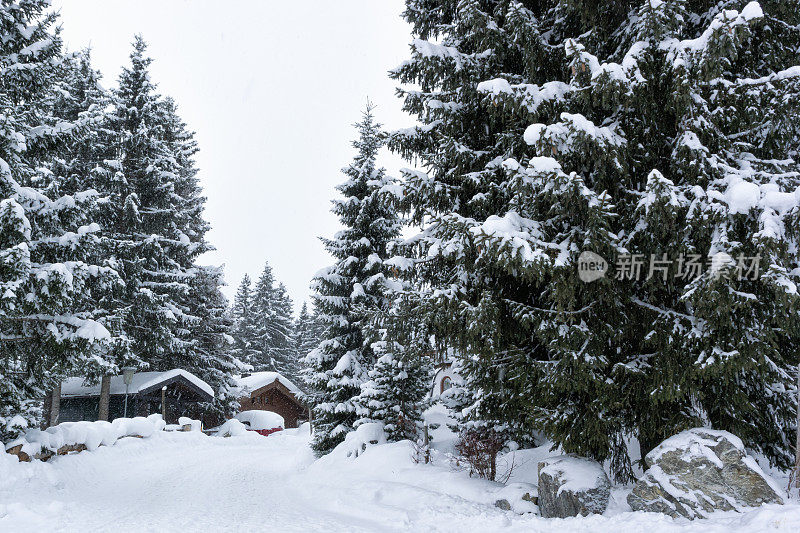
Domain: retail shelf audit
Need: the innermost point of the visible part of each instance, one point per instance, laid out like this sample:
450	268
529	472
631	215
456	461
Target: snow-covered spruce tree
156	214
307	332
657	128
78	164
399	381
283	347
349	292
243	330
49	285
462	142
209	354
273	327
140	210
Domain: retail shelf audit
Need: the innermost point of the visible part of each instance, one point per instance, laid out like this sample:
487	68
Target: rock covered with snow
699	471
572	486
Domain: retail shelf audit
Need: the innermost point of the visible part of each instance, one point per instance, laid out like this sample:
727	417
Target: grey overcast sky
271	89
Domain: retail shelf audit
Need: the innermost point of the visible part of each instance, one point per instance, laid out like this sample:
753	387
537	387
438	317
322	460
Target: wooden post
105	396
55	404
164	403
427	443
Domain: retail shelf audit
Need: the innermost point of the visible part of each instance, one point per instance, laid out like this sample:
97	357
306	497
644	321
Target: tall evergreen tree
49	279
283	347
141	183
462	143
78	165
156	216
243	331
307	332
349	292
400	380
651	129
209	355
273	342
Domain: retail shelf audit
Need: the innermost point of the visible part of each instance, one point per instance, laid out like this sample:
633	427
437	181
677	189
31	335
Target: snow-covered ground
192	482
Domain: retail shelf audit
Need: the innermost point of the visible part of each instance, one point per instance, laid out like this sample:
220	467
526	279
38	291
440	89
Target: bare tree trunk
105	395
55	405
426	443
46	408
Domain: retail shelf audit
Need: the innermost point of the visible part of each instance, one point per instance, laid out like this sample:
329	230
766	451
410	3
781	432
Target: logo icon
591	267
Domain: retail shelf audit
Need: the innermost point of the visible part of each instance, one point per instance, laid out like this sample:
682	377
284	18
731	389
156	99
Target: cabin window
446	383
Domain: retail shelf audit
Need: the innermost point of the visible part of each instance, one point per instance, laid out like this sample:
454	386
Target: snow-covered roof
252	382
142	381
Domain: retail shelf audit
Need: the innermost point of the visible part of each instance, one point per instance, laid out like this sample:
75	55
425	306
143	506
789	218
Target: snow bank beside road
86	435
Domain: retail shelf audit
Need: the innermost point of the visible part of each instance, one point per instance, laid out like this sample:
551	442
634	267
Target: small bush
479	449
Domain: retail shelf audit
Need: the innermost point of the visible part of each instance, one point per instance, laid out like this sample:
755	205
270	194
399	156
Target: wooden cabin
175	393
271	391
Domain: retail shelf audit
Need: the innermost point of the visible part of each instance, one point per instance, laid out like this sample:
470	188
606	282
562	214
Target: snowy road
189	482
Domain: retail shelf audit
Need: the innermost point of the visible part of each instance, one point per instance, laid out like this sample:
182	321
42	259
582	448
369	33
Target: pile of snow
531	95
258	419
231	428
89	434
10	472
194	425
356	442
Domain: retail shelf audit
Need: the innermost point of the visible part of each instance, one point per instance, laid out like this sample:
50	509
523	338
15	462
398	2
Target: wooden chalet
174	393
271	391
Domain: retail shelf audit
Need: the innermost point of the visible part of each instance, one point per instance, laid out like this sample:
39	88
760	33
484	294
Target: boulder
572	486
700	471
518	497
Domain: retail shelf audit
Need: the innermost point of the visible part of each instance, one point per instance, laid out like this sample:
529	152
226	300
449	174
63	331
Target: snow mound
356	442
195	425
231	428
257	419
518	497
75	436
